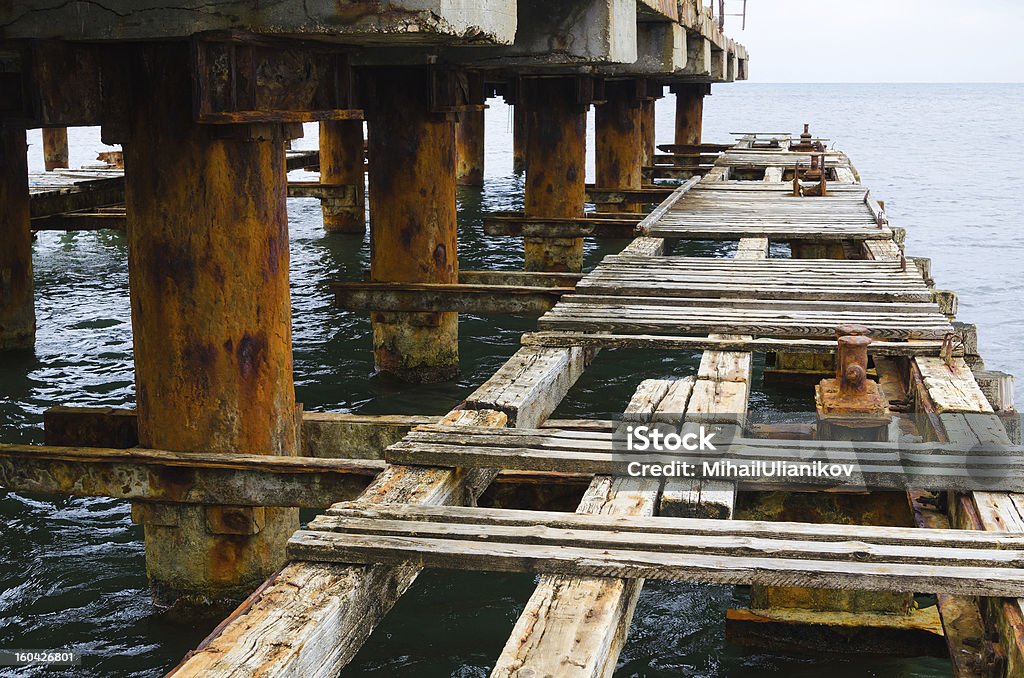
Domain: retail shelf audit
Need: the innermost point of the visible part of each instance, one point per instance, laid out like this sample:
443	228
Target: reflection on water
72	570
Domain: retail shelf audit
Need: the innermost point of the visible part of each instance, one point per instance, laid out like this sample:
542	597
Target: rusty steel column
648	124
556	123
413	234
211	321
469	143
518	138
17	308
619	142
689	112
341	164
55	147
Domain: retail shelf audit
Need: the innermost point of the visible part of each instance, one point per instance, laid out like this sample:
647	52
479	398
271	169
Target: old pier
217	456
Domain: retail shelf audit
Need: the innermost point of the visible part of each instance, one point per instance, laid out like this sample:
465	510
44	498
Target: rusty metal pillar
648	126
689	112
413	235
619	142
211	321
469	136
556	123
518	138
341	164
17	310
55	147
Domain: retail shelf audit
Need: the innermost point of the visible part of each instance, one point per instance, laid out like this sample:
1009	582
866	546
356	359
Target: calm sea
943	157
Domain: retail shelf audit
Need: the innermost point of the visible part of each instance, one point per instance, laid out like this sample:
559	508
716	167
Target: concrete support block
698	55
592	30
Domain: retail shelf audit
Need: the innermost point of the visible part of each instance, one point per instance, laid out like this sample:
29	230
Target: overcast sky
882	40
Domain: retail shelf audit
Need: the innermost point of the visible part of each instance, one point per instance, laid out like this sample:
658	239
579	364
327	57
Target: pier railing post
211	320
689	111
17	309
341	164
55	147
619	142
413	233
556	123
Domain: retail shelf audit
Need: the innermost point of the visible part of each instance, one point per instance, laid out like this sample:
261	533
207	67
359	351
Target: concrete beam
698	55
569	31
660	47
390	22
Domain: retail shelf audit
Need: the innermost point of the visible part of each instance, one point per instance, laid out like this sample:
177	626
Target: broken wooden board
632	547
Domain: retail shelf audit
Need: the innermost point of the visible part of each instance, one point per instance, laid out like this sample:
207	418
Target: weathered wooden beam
529	386
619	548
431	298
722	392
577	626
86	195
553	339
163	476
92	220
694	148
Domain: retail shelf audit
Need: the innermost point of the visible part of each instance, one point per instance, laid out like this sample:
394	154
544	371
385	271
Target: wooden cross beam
969	562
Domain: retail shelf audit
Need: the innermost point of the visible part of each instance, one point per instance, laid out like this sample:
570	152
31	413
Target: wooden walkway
315	614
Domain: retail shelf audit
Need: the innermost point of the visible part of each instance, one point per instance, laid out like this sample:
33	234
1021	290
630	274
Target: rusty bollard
851	406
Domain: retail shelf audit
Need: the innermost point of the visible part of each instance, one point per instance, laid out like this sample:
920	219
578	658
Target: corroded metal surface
689	112
618	124
469	138
211	319
341	164
556	123
413	233
17	310
55	147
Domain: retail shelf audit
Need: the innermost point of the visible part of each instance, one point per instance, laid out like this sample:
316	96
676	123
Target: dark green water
72	570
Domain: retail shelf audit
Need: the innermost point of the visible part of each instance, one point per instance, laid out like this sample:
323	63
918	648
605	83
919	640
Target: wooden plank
545	551
577	626
529	386
950	392
724	389
684	343
431	297
674	527
81	221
